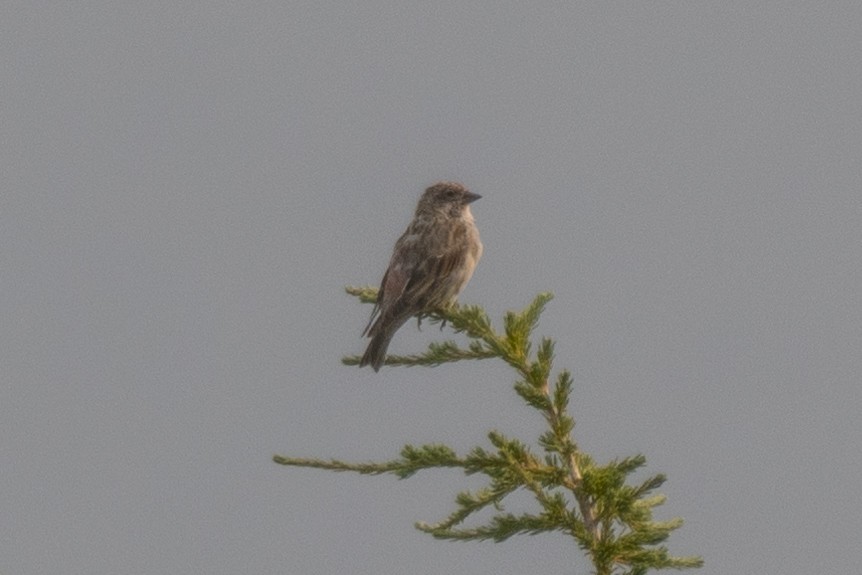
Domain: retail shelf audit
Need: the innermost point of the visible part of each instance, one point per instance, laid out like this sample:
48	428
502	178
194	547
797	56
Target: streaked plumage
432	262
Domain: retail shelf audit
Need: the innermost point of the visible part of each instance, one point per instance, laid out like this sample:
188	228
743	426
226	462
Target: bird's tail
375	354
381	334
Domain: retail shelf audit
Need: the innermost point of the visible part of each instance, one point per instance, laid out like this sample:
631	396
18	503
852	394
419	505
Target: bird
431	263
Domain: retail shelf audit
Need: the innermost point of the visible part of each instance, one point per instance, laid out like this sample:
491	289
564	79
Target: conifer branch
611	520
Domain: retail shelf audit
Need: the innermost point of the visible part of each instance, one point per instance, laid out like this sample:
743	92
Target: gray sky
188	187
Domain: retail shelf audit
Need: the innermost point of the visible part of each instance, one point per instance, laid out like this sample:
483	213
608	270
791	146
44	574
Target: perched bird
432	262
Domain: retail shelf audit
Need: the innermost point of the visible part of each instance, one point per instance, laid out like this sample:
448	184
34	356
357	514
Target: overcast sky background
187	187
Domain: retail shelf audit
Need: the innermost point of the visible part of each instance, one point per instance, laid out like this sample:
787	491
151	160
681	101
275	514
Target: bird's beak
471	197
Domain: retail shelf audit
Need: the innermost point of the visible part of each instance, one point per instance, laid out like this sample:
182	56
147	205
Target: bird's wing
392	287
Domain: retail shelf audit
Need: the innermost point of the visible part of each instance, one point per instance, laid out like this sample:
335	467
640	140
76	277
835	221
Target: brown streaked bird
432	262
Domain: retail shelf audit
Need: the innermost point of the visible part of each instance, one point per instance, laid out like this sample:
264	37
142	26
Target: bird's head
450	198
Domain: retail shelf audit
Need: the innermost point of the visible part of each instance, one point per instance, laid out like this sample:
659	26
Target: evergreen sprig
609	519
